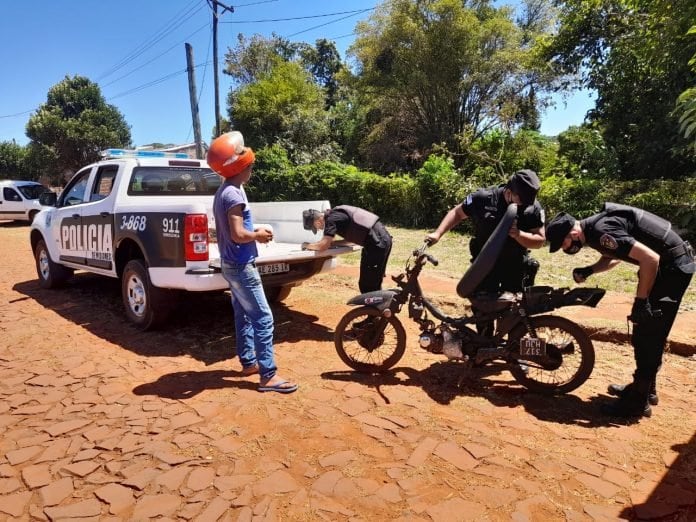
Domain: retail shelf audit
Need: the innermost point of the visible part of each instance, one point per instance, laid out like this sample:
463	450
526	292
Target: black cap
308	217
525	183
557	230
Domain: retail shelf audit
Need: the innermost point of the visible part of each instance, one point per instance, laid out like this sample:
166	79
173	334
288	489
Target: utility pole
215	4
194	102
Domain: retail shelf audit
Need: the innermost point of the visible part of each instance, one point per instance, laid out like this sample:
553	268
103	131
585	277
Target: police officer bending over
486	207
666	265
357	226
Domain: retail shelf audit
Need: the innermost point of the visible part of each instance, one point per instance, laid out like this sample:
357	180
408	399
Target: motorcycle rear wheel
365	349
570	351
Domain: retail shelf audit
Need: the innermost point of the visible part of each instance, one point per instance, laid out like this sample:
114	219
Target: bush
421	201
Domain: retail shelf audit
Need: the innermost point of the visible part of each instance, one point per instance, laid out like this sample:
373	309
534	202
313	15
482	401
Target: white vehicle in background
146	218
19	200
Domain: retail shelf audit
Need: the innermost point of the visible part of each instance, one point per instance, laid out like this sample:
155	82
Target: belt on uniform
684	249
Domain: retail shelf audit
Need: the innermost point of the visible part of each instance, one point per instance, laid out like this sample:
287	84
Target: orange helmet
228	156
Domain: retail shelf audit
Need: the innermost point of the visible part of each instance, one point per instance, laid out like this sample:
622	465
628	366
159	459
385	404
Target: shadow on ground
674	497
202	325
445	381
184	385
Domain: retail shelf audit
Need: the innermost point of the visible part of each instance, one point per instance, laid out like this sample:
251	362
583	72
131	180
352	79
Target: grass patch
452	251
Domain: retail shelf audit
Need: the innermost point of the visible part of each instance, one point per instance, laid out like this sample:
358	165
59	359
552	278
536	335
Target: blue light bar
127	153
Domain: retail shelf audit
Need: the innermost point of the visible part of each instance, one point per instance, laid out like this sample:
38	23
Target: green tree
252	58
440	70
324	63
72	127
284	106
635	54
13	161
586	152
686	104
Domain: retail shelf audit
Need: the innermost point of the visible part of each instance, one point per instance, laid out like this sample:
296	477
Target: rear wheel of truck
276	294
51	275
147	306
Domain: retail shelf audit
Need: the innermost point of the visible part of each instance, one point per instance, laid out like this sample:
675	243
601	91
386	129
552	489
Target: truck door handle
104	214
75	216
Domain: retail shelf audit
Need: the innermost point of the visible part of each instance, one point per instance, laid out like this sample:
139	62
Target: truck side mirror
48	199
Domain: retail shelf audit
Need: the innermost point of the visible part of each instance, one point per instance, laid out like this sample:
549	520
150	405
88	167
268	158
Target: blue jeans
253	319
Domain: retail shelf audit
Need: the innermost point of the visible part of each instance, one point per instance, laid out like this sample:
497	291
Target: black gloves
582	273
641	311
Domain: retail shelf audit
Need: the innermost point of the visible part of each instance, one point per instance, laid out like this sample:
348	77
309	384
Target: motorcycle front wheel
368	342
569	358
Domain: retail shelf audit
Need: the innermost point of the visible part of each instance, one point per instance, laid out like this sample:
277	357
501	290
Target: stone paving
101	422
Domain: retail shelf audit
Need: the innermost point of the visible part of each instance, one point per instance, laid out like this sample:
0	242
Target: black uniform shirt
609	235
614	232
337	222
486	207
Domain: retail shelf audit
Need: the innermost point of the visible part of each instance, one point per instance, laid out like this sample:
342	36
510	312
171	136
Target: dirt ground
101	422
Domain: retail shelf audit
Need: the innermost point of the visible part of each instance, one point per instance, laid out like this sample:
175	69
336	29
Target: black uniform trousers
649	337
374	257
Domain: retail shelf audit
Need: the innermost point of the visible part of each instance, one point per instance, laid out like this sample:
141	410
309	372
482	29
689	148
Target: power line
154	82
158	56
176	21
357	11
16	114
329	23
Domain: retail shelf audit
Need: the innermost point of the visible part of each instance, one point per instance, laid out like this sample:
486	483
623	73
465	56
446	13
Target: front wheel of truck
147	306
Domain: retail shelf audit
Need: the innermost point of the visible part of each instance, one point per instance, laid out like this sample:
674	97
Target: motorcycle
545	353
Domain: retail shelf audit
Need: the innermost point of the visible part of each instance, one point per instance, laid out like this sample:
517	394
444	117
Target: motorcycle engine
431	341
452	344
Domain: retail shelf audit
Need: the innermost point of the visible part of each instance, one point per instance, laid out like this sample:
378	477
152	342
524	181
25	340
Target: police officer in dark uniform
666	266
514	268
358	226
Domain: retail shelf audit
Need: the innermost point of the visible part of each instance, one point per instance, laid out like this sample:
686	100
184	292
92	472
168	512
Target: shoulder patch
542	215
608	241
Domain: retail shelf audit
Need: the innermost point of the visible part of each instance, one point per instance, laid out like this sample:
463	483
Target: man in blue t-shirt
237	239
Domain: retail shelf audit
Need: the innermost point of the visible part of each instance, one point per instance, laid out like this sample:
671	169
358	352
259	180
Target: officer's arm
241	235
648	261
604	263
533	239
323	244
451	220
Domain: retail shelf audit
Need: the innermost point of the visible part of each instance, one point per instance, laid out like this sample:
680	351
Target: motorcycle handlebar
421	252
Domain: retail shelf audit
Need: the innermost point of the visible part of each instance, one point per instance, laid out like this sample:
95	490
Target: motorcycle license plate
532	347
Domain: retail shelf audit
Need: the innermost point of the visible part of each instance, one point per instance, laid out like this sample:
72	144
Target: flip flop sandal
280	387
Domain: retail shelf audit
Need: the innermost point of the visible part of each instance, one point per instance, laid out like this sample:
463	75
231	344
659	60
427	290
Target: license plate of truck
274	268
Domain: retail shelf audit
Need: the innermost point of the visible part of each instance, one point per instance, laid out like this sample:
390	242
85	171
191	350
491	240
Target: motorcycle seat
488	302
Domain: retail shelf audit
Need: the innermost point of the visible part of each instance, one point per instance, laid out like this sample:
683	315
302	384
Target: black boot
618	390
633	401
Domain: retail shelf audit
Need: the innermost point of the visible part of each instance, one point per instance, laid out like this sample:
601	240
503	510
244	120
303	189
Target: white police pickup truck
146	218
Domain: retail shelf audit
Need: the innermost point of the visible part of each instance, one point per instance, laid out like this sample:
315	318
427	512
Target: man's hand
581	274
432	238
514	232
263	235
641	311
304	245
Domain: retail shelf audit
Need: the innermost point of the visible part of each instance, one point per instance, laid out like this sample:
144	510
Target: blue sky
134	50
